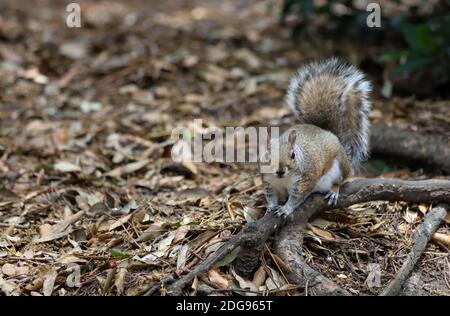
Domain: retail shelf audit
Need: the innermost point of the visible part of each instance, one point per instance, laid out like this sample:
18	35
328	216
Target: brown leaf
423	208
49	281
260	276
216	279
442	238
9	288
63	228
323	234
152	232
13	270
281	263
120	280
129	168
180	233
120	222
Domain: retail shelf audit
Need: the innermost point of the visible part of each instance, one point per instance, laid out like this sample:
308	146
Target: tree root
288	246
357	191
427	149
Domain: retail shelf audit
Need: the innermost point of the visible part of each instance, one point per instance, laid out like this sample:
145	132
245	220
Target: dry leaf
217	280
182	257
245	284
129	168
442	238
152	232
8	287
63	228
423	208
164	244
275	280
49	281
65	166
410	216
373	279
120	280
180	233
13	270
120	222
280	263
260	276
323	234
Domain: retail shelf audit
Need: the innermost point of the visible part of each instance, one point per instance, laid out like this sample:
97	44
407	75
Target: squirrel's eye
292	155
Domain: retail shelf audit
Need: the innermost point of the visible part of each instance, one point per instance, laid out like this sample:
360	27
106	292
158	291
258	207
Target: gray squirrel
330	101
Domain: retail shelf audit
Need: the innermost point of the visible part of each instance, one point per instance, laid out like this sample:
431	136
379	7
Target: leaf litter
91	202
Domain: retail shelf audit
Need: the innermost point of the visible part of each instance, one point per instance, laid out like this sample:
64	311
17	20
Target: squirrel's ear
292	137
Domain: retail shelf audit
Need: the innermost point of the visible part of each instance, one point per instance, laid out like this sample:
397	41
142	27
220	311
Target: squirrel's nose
280	173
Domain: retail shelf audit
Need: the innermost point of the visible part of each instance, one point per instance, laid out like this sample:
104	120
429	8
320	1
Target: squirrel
330	100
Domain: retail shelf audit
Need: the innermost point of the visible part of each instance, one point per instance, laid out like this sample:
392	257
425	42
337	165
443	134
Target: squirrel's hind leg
325	185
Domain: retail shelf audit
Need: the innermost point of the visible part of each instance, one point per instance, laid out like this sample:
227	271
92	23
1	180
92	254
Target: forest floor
86	178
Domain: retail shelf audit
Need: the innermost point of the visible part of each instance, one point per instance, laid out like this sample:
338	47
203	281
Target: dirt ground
87	183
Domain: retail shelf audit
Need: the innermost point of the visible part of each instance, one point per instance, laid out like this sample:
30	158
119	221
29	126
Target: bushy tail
334	96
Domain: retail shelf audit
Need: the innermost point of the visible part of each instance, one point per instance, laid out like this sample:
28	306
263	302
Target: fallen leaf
164	244
442	238
152	232
216	279
373	279
260	276
9	288
49	281
228	258
13	270
65	166
245	284
325	235
423	208
129	168
275	280
120	280
180	233
120	222
63	228
410	216
182	257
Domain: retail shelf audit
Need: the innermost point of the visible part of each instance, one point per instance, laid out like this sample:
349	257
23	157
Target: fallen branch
357	191
421	238
432	150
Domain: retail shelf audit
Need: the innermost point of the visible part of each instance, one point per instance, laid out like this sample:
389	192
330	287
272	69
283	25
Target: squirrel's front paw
332	197
272	209
283	212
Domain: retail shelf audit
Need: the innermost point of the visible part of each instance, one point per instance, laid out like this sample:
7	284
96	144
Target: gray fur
354	141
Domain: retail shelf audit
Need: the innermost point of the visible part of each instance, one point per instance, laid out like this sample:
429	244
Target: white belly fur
280	185
332	176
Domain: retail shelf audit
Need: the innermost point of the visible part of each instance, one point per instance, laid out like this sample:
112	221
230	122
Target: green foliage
423	41
119	255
